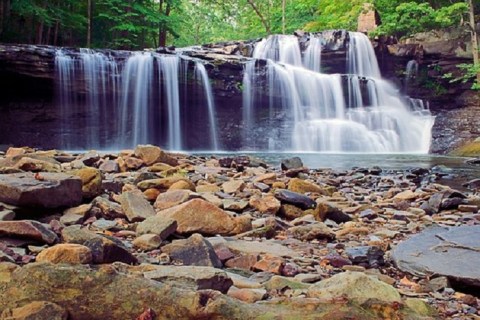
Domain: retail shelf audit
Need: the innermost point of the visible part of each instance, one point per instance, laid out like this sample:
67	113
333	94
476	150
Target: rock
6	258
194	251
104	225
449	252
7	215
77	234
44	190
473	184
37	310
91	182
290	212
270	263
200	216
136	207
172	198
38	164
162	184
267	204
245	262
281	283
294	198
158	225
66	253
234	205
75	215
311	232
247	295
328	210
356	287
109	166
204	188
192	277
254	247
406	195
367	256
233	186
27	229
108	250
183	185
303	186
291	163
147	242
130	163
102	207
153	154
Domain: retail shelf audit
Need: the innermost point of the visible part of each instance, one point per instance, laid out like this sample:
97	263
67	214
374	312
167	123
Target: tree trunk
260	15
473	31
55	33
89	23
162	36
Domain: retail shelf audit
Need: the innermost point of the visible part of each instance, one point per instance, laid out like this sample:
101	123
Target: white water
365	114
202	74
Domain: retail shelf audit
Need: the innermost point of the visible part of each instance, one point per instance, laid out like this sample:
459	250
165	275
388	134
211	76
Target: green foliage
412	17
469	73
339	14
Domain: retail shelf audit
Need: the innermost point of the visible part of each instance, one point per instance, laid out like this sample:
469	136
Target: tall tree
473	32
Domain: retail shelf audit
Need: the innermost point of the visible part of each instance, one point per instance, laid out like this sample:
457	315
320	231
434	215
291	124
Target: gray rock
451	252
102	207
136	207
77	234
158	225
297	199
291	163
311	232
367	256
194	277
254	247
194	251
45	190
7	215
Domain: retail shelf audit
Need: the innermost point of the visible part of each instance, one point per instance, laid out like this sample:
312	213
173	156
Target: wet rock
66	253
27	229
291	163
203	217
158	225
108	250
194	251
147	242
294	198
36	310
367	256
43	190
356	287
91	182
192	277
136	207
449	252
311	232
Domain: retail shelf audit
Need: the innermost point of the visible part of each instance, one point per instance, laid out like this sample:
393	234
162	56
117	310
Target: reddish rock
66	253
27	229
270	263
243	262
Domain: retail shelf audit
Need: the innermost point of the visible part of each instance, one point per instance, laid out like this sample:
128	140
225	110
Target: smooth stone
247	295
302	186
147	242
66	253
270	263
136	207
152	154
193	277
312	231
159	225
43	190
234	205
450	252
103	225
291	163
280	283
233	186
200	216
266	205
296	199
356	287
91	182
194	251
109	166
27	229
242	282
6	258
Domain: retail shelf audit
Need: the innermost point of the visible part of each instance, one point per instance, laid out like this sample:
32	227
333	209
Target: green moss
471	149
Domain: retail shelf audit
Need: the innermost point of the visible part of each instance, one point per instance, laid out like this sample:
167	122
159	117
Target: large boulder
200	216
44	190
153	154
451	252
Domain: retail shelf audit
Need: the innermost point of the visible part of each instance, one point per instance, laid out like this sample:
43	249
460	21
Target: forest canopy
136	24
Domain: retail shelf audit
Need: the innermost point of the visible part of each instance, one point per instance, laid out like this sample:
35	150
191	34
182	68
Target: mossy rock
471	149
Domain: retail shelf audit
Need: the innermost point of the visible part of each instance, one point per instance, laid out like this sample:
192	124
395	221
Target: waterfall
355	112
202	74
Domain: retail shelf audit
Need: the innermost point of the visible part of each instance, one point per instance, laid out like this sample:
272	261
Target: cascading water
203	76
355	112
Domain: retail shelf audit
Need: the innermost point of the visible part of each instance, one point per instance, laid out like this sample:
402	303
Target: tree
473	32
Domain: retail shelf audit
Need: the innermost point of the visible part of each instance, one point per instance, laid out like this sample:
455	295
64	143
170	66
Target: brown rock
91	182
132	163
38	164
109	166
147	242
233	186
162	184
270	263
183	185
245	262
303	186
27	229
37	310
158	225
290	212
311	232
151	194
108	250
153	154
247	295
207	188
268	204
172	198
200	216
44	190
66	253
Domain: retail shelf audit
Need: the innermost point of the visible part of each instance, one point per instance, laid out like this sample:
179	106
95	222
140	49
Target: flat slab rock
44	189
451	252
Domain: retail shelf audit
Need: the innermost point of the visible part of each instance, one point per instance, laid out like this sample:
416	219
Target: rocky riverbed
147	234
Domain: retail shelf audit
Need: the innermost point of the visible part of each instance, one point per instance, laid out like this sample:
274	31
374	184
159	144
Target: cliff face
30	114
